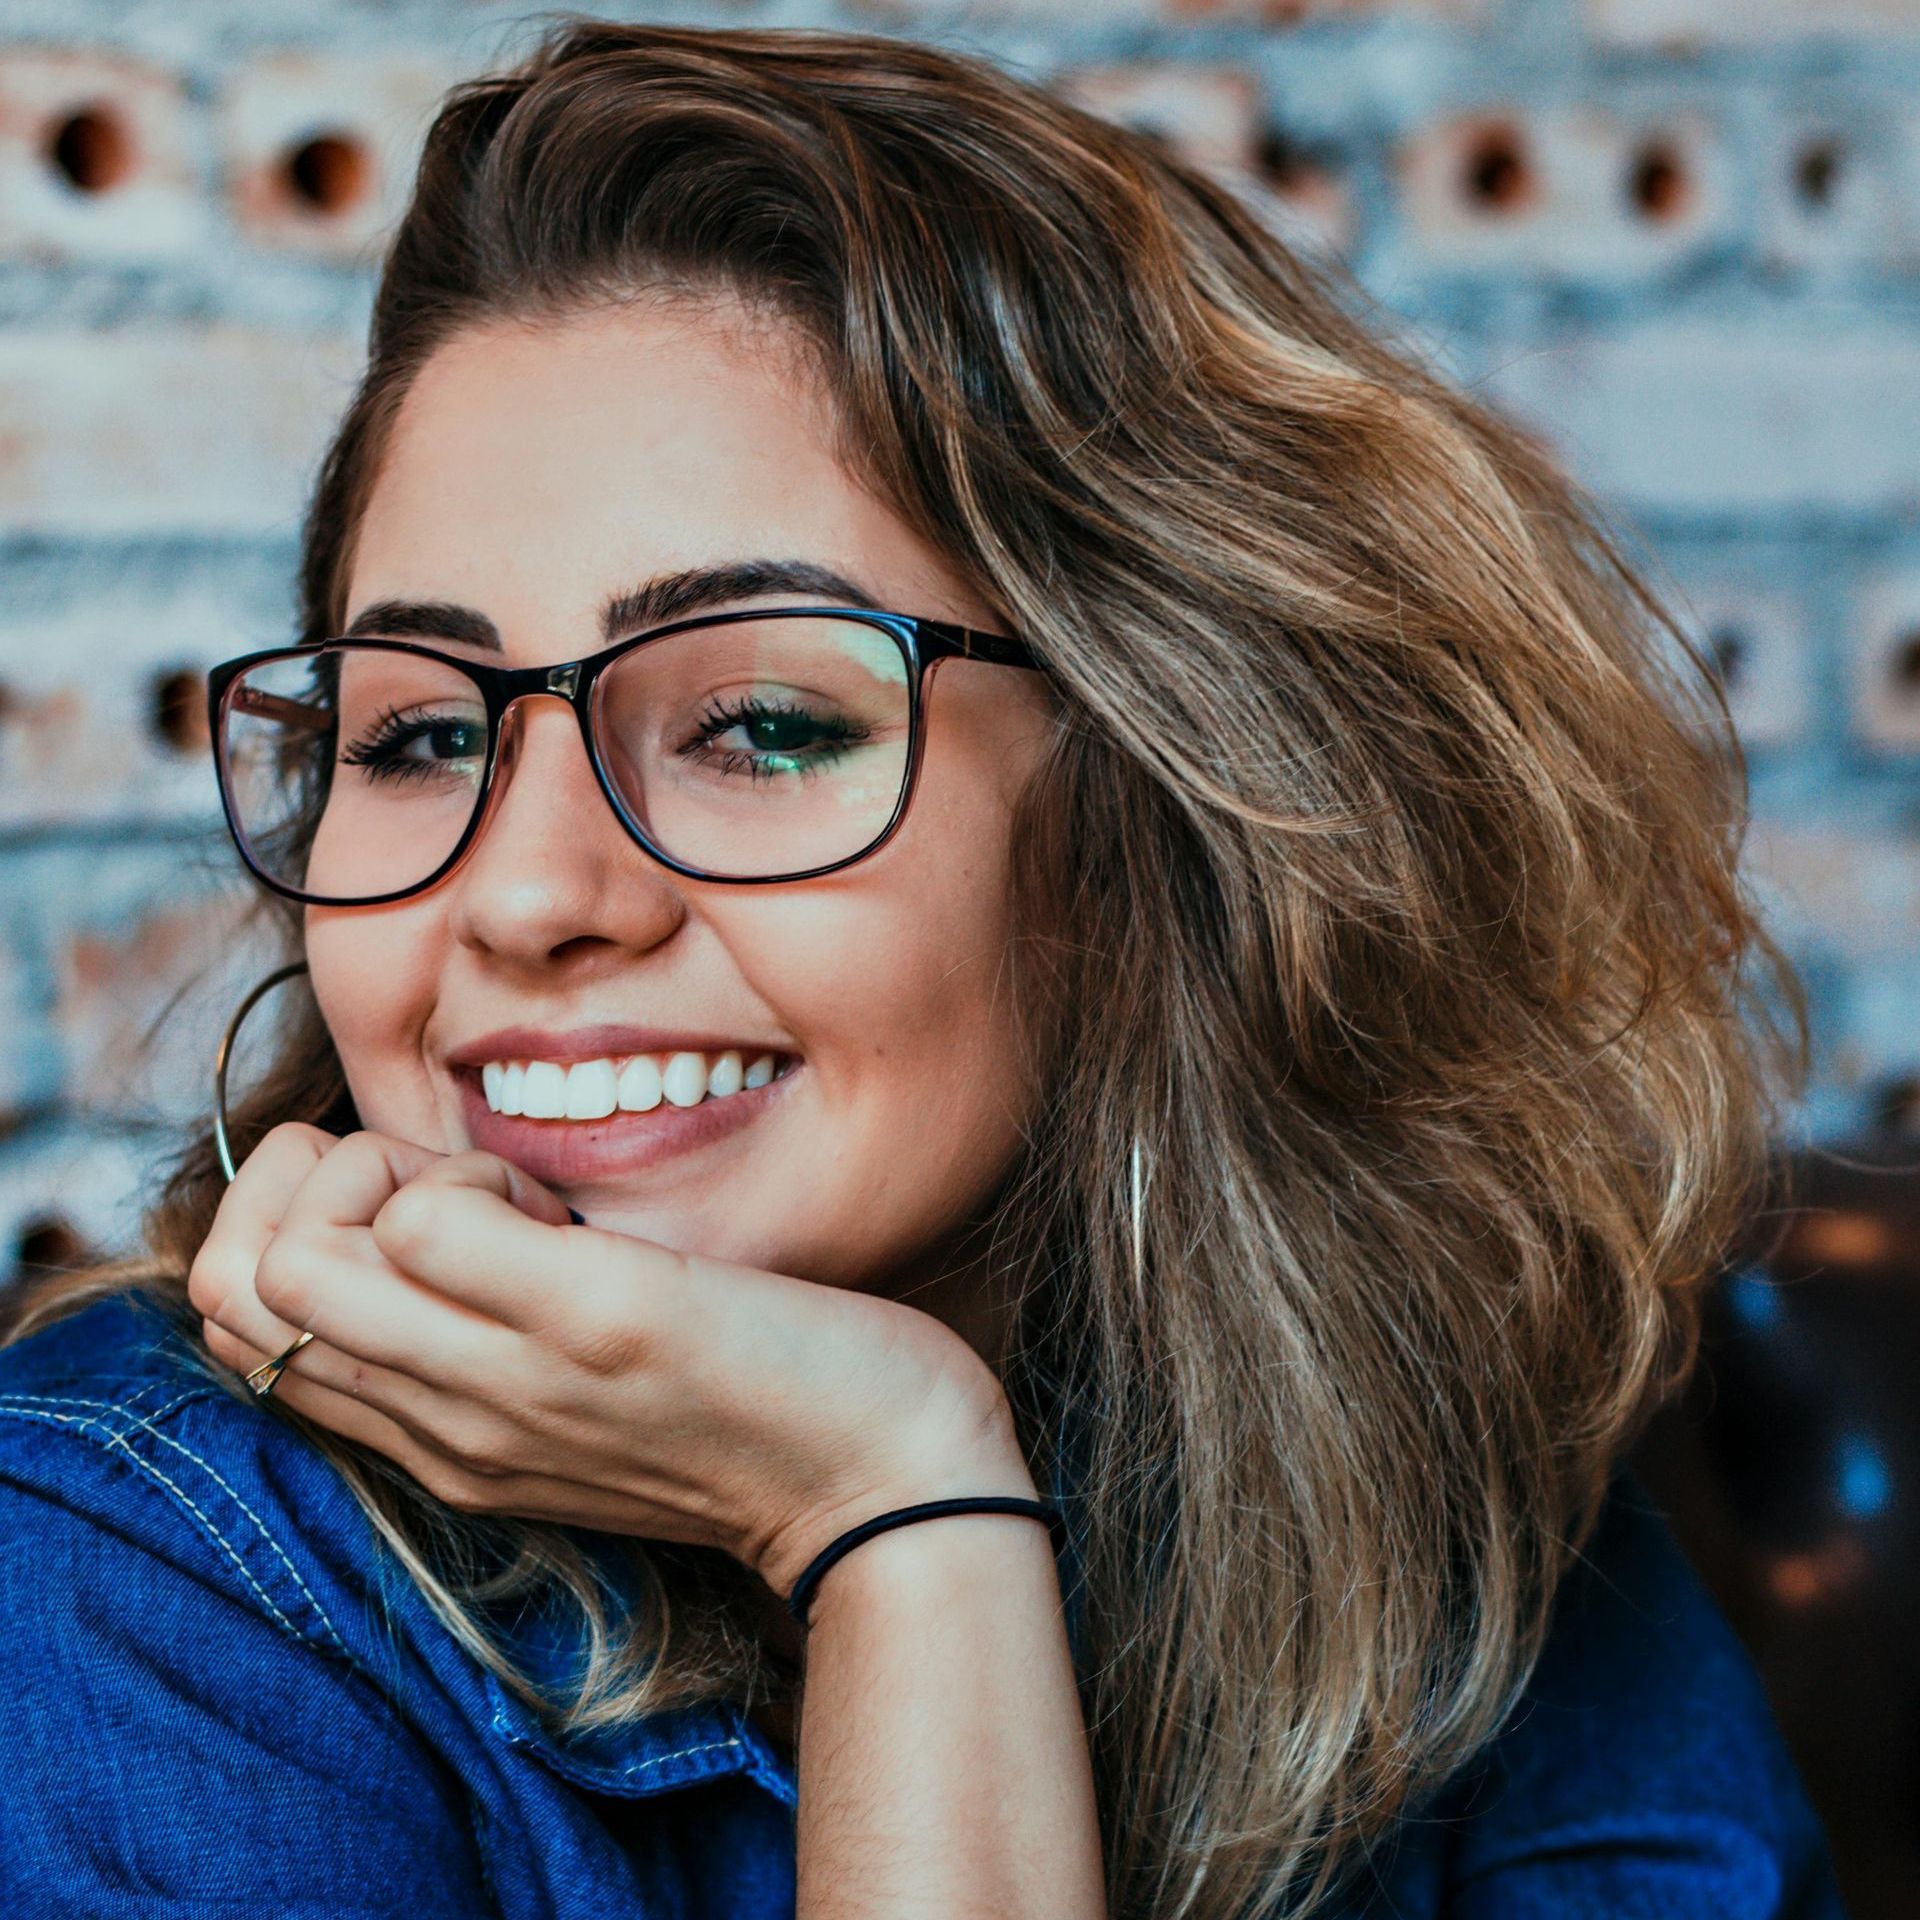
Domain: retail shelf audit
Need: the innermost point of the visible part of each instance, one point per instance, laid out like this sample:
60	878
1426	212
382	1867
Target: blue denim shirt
211	1713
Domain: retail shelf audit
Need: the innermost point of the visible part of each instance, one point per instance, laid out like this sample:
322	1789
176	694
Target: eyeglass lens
750	749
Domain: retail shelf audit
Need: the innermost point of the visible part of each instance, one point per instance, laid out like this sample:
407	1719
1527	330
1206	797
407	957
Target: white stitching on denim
682	1753
167	1439
266	1532
172	1406
106	1405
94	1425
503	1724
185	1499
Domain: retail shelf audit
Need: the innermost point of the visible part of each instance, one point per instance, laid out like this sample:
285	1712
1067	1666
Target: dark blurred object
44	1243
1790	1470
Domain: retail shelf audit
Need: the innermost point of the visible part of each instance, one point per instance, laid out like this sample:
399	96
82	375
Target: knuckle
481	1440
464	1492
287	1145
605	1348
207	1289
283	1277
404	1223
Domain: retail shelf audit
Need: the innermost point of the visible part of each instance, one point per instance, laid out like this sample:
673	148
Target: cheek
898	995
907	1007
372	977
896	972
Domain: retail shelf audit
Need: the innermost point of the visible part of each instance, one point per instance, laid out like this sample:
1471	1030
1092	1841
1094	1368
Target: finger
220	1281
464	1483
355	1181
377	1334
469	1229
322	1272
429	1410
489	1173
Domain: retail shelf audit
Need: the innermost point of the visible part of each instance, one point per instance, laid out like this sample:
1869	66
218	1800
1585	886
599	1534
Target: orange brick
319	151
94	159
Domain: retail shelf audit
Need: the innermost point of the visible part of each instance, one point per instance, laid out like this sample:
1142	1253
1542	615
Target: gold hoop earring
220	1141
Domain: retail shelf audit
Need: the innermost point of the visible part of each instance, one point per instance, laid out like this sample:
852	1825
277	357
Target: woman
1195	970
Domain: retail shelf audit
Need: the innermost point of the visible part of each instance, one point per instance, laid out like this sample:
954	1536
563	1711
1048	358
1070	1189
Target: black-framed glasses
771	744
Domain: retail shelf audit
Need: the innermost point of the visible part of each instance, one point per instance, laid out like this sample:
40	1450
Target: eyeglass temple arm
275	706
939	640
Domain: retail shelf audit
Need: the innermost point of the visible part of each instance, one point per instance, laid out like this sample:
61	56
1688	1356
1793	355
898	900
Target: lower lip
570	1152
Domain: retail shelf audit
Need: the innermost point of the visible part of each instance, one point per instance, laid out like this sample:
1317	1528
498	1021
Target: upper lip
593	1043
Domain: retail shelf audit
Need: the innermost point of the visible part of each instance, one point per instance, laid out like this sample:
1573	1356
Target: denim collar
683	1746
671	1747
675	1747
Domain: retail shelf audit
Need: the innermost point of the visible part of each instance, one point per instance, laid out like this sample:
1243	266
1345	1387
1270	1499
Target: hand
516	1363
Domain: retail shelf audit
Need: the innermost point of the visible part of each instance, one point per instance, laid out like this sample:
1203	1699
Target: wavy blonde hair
1408	1045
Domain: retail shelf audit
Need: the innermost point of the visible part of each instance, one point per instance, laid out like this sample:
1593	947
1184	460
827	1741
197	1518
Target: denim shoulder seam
98	1424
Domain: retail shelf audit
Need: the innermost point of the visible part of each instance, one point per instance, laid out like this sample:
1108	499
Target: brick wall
1679	238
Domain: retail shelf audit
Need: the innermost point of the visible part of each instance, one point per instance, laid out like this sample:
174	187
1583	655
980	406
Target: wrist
996	1470
937	1566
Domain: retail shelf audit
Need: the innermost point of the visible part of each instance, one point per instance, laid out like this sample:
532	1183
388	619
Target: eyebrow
651	604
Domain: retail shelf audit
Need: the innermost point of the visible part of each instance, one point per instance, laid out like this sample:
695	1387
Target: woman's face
532	475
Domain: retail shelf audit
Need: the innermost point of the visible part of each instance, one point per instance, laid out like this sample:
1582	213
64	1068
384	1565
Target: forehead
584	417
532	469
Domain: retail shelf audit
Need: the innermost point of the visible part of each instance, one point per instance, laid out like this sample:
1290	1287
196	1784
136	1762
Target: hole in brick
1495	176
178	706
1282	161
1816	171
90	150
328	173
1896	1108
1727	648
1657	182
1906	666
49	1243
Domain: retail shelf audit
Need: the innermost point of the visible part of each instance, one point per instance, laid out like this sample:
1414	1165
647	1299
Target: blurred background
1679	240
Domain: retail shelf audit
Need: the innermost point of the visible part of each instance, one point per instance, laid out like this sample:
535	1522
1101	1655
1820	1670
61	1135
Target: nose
552	869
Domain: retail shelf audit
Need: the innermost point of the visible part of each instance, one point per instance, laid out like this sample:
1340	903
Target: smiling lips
630	1083
592	1121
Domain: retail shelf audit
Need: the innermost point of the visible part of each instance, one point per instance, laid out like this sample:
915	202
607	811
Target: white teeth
546	1093
684	1079
592	1089
640	1084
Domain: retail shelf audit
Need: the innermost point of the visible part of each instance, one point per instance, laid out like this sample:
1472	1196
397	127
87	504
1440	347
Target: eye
764	737
383	749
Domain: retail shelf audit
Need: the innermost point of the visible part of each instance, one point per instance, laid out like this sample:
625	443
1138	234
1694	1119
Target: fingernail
578	1219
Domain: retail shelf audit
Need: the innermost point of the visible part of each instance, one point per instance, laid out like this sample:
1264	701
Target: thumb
489	1173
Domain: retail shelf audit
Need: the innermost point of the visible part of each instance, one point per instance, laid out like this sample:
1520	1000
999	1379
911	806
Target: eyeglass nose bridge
531	683
512	686
516	684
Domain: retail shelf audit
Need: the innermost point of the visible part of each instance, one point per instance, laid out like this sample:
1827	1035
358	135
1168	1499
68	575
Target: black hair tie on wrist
801	1597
